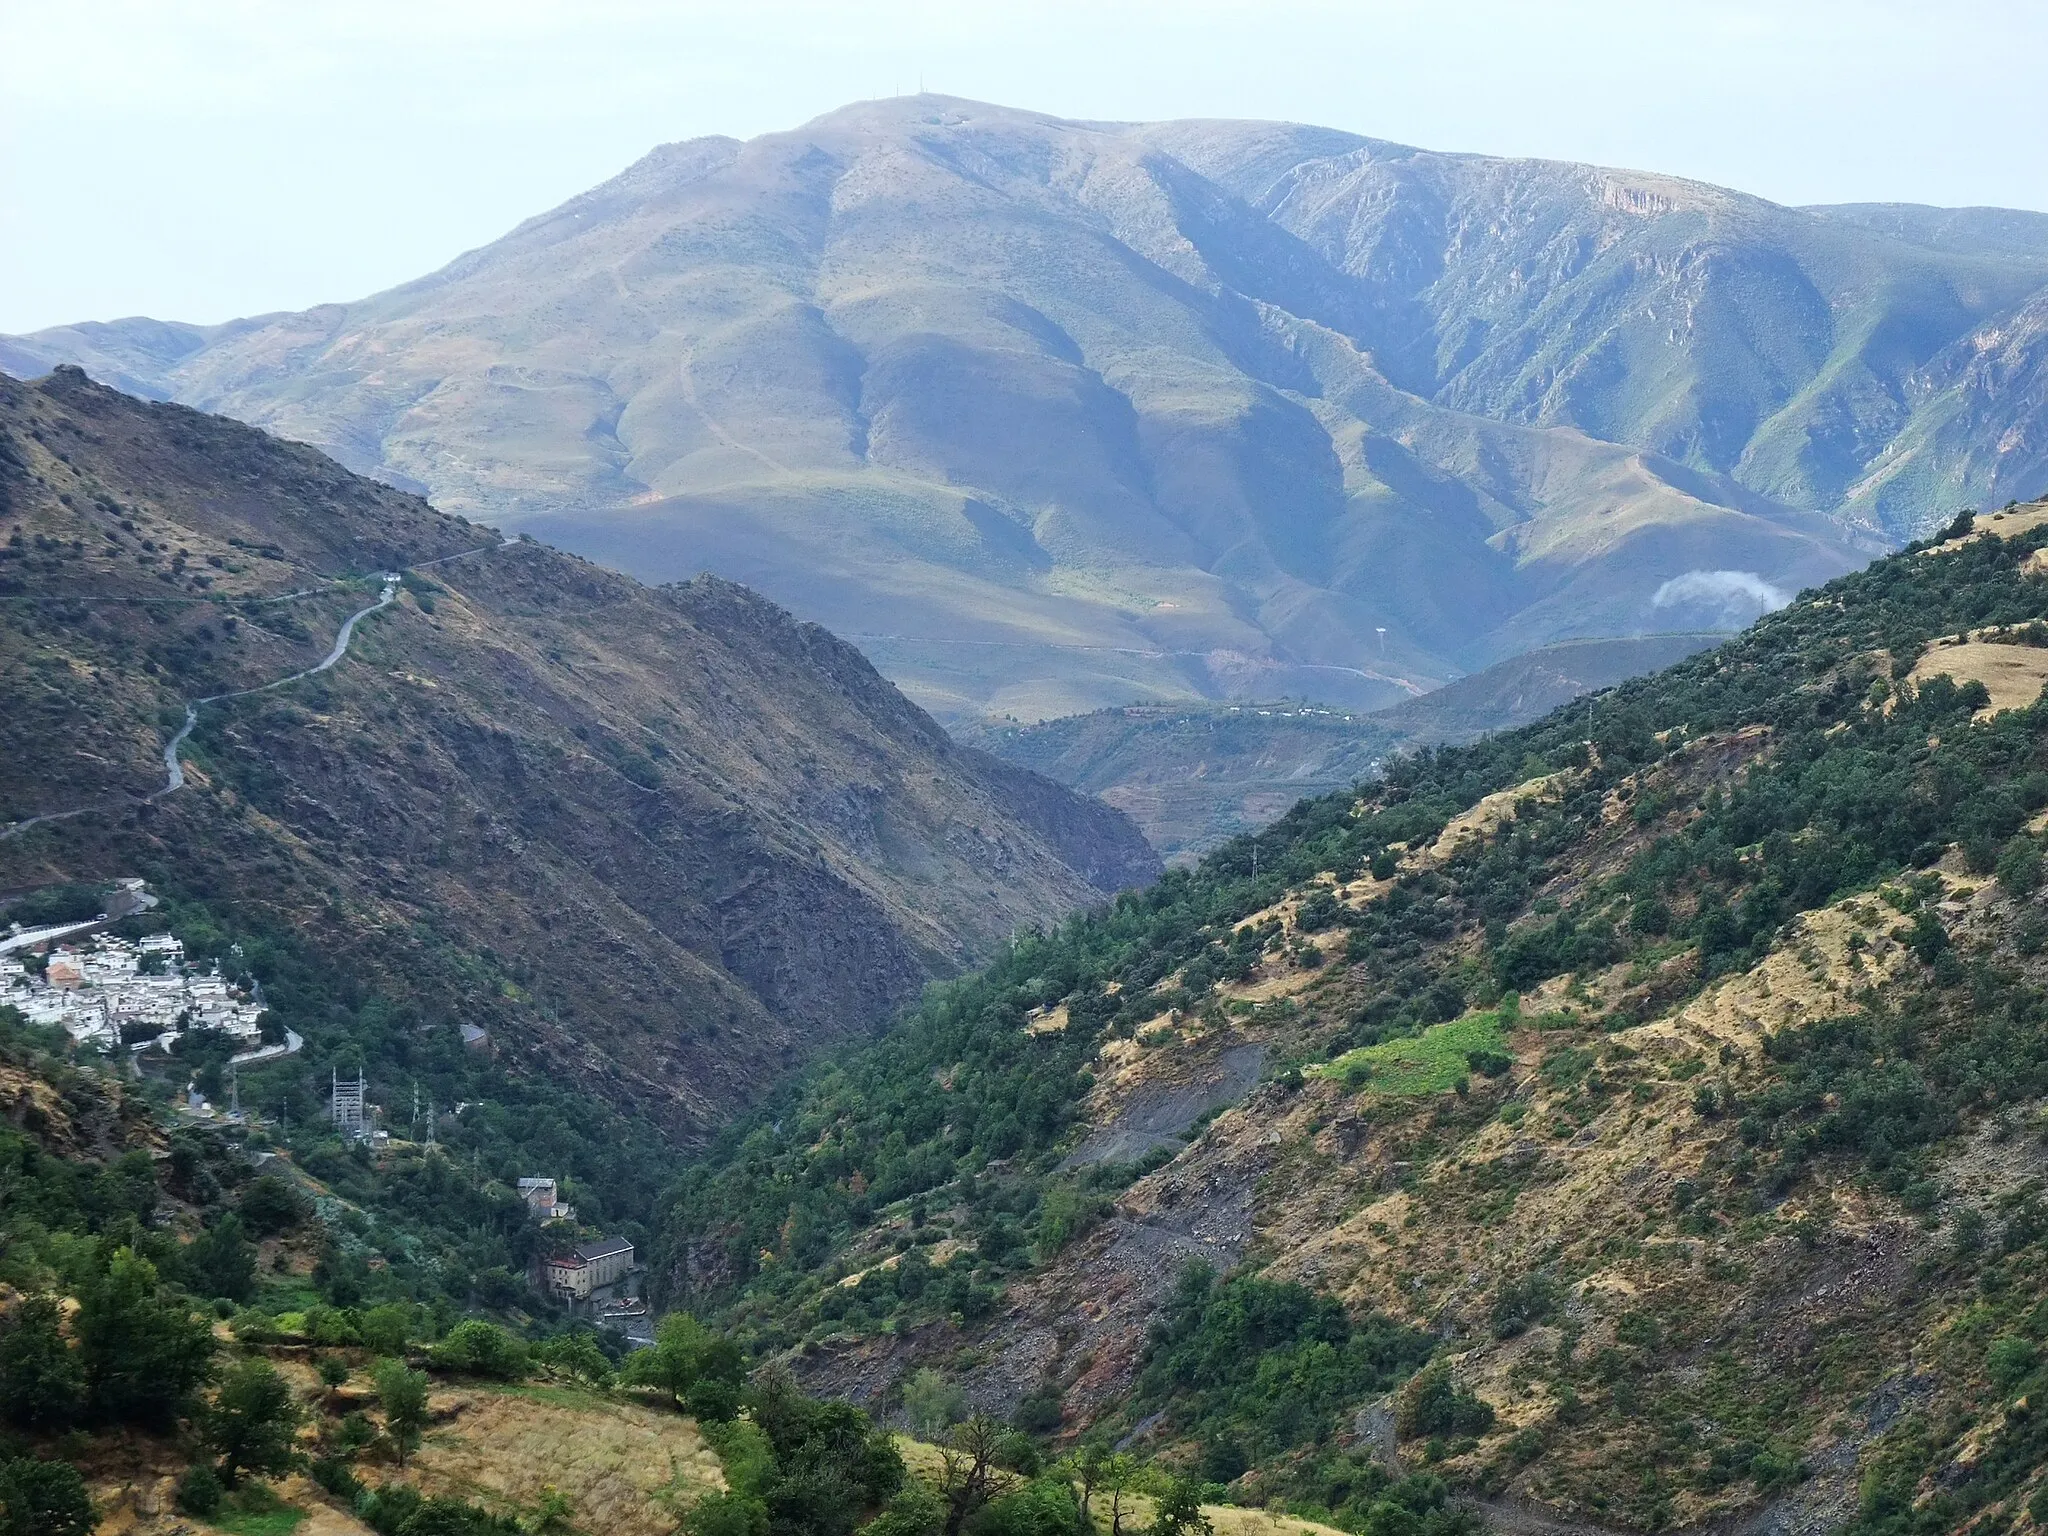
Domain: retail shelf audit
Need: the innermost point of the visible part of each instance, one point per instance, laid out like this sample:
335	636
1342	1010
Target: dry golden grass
1487	817
2005	525
626	1469
2014	674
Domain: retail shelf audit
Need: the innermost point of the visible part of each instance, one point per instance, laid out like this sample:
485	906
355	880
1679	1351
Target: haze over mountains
1050	415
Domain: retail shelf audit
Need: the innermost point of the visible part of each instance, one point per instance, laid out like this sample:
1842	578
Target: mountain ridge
1061	415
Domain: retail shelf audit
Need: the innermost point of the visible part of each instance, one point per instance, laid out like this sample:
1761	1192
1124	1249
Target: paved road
174	769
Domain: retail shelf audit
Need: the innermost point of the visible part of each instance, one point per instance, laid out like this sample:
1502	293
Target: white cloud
1721	599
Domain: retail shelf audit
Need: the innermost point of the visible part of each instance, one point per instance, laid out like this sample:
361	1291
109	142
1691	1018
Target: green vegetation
43	1498
1435	1061
1740	789
797	1467
1265	1368
451	1225
251	1421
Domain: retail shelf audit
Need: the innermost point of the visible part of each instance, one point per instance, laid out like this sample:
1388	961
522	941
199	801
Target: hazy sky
197	161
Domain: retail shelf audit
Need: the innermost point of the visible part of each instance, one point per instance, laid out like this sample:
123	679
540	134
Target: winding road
174	769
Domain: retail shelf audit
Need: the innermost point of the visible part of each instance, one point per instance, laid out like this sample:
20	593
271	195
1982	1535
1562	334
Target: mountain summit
1047	415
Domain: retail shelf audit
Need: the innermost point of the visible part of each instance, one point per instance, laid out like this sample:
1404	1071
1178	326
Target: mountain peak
1049	415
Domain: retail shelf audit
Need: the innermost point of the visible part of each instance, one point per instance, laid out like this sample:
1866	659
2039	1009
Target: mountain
1193	776
658	843
1048	416
1628	1122
1527	687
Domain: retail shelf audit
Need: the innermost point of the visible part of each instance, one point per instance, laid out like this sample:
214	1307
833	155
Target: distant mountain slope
661	841
1528	687
1195	775
1050	415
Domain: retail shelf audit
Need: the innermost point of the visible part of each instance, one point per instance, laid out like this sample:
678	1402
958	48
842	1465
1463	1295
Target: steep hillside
1634	1119
659	843
1049	416
1193	775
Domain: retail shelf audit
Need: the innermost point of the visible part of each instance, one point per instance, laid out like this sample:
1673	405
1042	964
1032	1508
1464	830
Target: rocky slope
1048	415
1669	1074
664	841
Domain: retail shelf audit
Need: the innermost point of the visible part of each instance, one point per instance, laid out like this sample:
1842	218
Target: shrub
2019	867
1042	1508
727	1514
1436	1405
2010	1361
44	1498
1523	1303
478	1348
200	1491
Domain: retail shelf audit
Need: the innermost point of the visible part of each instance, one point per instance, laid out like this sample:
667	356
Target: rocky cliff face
669	840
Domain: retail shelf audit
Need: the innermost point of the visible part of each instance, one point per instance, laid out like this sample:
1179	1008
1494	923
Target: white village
139	994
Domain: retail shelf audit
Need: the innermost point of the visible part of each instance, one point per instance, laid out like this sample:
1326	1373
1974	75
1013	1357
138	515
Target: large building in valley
588	1267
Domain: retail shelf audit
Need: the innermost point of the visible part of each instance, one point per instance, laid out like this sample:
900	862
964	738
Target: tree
1178	1511
478	1348
251	1421
44	1498
1116	1475
576	1355
968	1470
221	1262
1085	1467
270	1205
42	1383
686	1355
385	1329
142	1350
402	1394
932	1404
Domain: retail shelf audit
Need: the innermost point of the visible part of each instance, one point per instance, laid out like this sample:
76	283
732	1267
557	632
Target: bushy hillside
1635	1119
